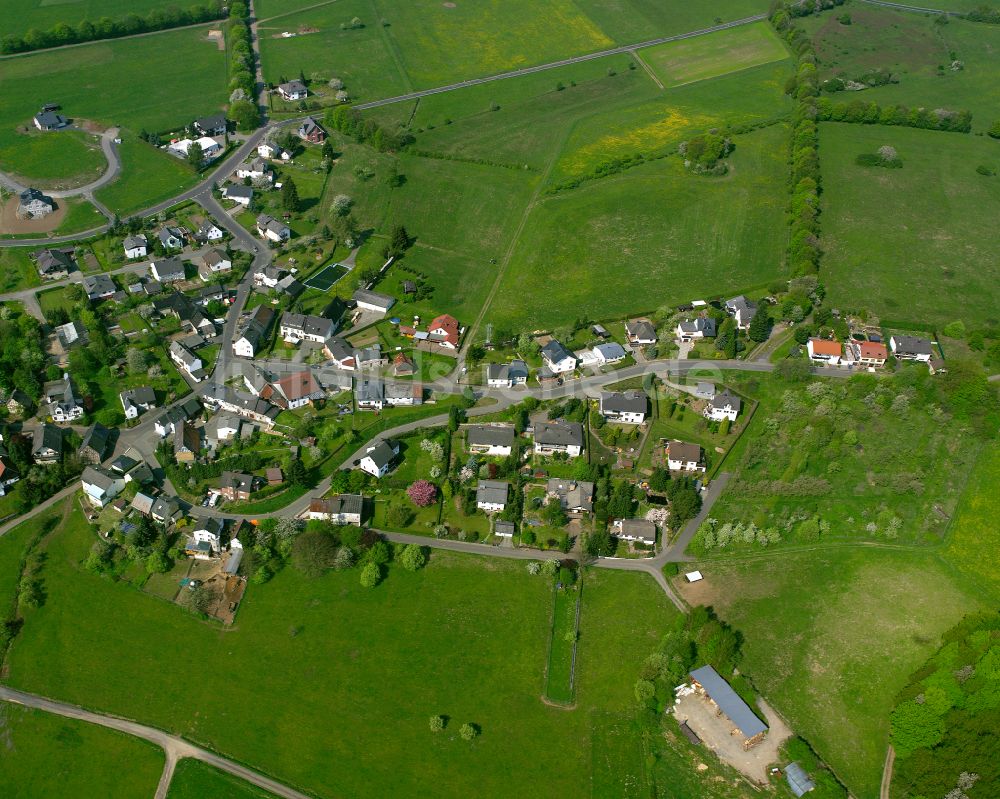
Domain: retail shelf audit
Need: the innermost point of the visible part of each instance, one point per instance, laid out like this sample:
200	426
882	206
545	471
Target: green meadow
830	636
148	176
465	637
47	755
196	780
20	16
157	82
887	230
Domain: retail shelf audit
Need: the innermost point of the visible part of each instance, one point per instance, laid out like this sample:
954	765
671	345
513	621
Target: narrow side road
173	746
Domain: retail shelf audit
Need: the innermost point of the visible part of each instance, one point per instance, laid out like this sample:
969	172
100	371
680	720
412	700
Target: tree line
106	28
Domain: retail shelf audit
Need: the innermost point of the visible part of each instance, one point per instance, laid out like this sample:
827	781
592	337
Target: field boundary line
731	72
296	11
648	69
391	46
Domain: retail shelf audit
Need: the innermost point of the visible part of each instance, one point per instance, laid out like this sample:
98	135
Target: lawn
196	780
628	21
886	232
17	270
913	47
46	755
161	70
80	216
874	459
657	225
54	299
973	533
148	176
465	637
716	54
51	160
830	637
559	672
21	15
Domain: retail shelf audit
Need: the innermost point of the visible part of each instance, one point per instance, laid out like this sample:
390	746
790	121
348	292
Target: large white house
137	400
338	509
101	485
506	375
723	405
823	350
559	436
136	246
684	457
488	439
491	495
271	229
296	327
378	458
625	407
557	358
210	148
60	401
911	348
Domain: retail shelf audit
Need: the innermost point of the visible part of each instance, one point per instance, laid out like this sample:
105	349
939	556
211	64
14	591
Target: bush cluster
349	121
105	28
872	113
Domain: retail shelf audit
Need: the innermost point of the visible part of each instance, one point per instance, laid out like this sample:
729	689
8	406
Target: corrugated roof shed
729	702
798	780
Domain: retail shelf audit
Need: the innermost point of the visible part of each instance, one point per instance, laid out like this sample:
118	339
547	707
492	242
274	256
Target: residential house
187	442
143	503
166	510
625	407
640	332
742	310
182	308
222	427
254	333
59	400
704	390
488	439
608	353
575	496
210	148
444	331
407	394
293	390
18	404
296	327
47	444
370	357
341	353
311	131
290	286
135	401
55	263
268	149
697	328
96	444
274	476
239	194
911	348
167	270
869	354
8	474
132	467
338	509
747	727
186	361
258	170
209	232
100	485
167	422
724	405
71	334
172	237
213	263
136	246
206	538
507	375
99	287
293	90
684	457
373	300
822	350
49	120
378	457
214	125
271	229
236	486
558	436
403	366
637	530
373	394
491	495
33	204
219	396
557	358
504	529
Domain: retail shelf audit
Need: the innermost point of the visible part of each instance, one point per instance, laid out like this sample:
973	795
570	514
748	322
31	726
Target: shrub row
469	160
858	111
105	28
243	108
349	121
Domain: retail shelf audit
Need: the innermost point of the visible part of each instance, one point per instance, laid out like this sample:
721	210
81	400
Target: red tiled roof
447	325
820	346
874	350
298	385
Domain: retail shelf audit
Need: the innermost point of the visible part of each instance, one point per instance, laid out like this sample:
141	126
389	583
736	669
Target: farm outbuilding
708	682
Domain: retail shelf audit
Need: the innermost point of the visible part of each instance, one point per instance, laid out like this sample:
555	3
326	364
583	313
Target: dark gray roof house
725	399
382	453
617	402
729	702
492	492
95	444
559	433
555	352
47	443
703	325
214	125
50	120
486	435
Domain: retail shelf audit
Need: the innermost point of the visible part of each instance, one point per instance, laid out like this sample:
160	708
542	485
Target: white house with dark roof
214	125
610	352
137	400
575	496
54	263
293	90
684	457
378	458
373	300
167	270
239	194
723	405
49	120
640	332
742	310
557	358
257	170
135	246
296	327
209	231
338	509
911	348
186	360
506	375
214	262
640	531
697	328
624	407
59	400
99	287
101	485
491	495
490	439
558	436
271	229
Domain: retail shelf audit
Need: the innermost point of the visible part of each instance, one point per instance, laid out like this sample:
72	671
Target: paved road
904	7
626	48
174	746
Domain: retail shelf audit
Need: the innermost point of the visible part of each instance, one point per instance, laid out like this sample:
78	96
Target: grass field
161	70
466	637
80	216
913	47
887	232
716	54
972	533
559	672
654	225
148	176
829	637
45	755
48	158
17	271
196	780
21	15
